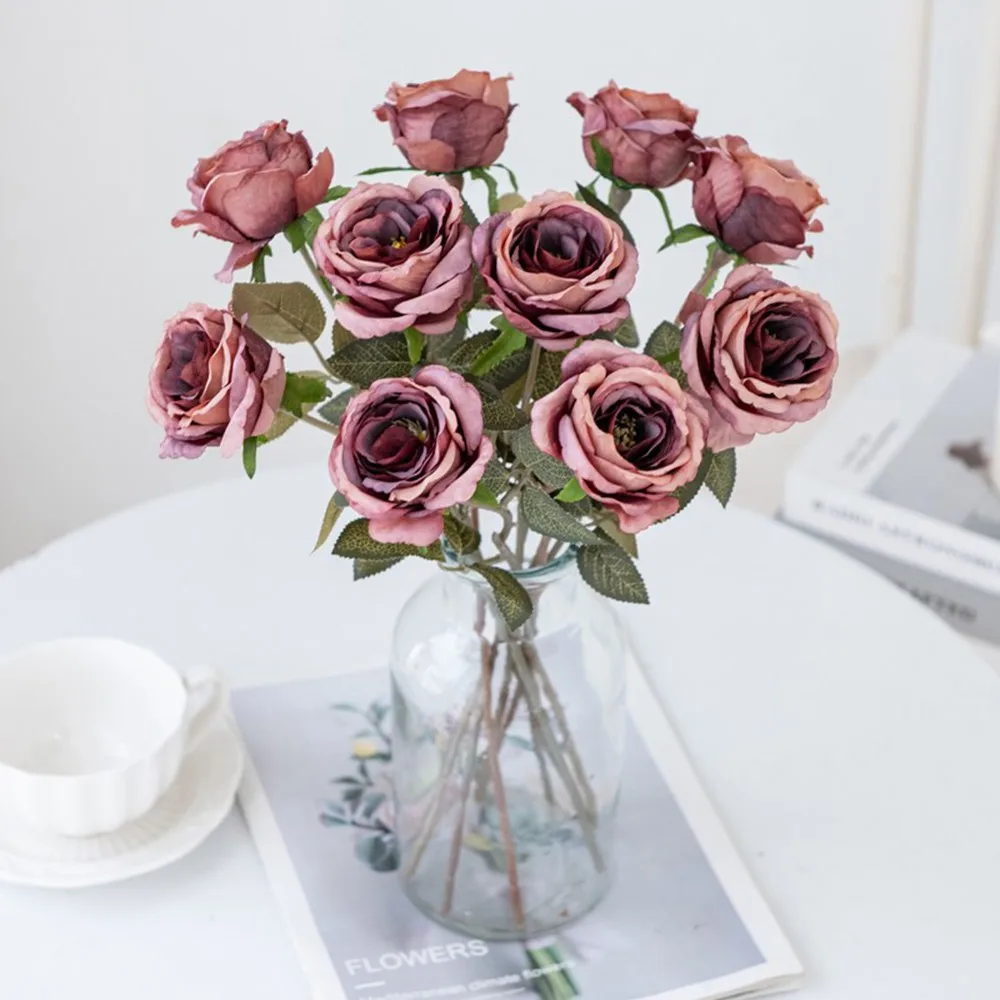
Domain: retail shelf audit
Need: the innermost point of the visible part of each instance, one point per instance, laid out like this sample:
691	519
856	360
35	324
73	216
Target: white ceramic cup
93	732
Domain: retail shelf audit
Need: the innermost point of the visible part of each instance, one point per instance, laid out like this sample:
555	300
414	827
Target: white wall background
106	105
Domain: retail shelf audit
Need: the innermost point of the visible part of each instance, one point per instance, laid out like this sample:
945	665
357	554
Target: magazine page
683	920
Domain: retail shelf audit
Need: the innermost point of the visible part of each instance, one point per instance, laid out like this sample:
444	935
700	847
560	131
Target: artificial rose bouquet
488	371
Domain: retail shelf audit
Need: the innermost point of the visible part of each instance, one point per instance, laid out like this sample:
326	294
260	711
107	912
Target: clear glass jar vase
507	751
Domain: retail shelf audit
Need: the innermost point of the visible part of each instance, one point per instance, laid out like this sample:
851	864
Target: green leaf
687	493
282	423
341	336
295	233
626	333
250	456
334	410
281	312
364	568
356	543
468	216
571	492
382	170
510	174
441	346
549	372
604	163
546	517
511	598
721	475
550	471
484	496
414	344
508	371
462	537
499	415
466	353
258	273
495	478
482	174
509	341
336	192
684	234
340	500
609	529
610	571
333	511
663	341
582	508
303	392
364	361
606	210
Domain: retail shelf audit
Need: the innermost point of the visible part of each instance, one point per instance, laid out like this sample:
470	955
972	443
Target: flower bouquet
494	410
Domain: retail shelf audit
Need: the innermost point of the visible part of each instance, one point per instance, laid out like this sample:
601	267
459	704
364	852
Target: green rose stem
318	275
532	376
662	199
459	835
321	424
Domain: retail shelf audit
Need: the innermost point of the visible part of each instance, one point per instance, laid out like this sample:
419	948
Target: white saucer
197	802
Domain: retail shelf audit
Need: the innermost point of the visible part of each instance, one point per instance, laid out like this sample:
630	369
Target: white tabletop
850	740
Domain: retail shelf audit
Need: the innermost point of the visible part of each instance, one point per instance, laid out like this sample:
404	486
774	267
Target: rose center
187	371
643	430
624	432
786	349
416	429
398	243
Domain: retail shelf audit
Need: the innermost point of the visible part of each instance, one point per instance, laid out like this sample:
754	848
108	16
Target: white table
849	739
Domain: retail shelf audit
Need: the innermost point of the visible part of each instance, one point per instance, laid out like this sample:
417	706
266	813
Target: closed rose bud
759	207
649	136
449	124
556	268
214	383
761	356
408	449
627	430
252	188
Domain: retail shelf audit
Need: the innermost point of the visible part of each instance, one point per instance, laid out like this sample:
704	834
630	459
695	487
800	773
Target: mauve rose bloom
759	207
626	428
401	255
214	383
450	124
649	136
250	189
761	355
556	268
409	448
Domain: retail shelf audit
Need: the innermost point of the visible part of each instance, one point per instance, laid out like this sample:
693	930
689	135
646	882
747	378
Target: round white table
850	741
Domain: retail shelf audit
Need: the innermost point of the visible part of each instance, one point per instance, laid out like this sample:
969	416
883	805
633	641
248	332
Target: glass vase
507	751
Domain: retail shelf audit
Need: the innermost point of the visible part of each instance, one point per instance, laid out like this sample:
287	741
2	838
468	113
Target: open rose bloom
477	362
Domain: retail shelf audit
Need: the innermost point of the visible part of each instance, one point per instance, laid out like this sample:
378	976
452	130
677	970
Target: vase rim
530	574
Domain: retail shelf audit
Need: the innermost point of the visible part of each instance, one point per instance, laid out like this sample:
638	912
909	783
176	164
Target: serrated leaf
510	370
250	456
363	568
468	216
721	475
467	352
582	508
549	372
341	336
336	192
364	361
687	493
495	477
626	333
609	529
663	341
332	513
303	392
414	344
546	517
333	411
571	492
440	347
484	496
499	415
684	234
610	571
604	163
591	199
509	341
550	471
282	423
356	543
295	233
462	537
512	600
281	312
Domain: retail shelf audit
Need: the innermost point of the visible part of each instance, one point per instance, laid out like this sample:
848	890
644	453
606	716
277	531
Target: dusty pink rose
409	448
626	428
214	383
556	268
649	136
761	355
759	207
450	124
250	189
401	255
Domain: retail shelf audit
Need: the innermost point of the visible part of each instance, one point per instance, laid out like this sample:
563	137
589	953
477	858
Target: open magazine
683	920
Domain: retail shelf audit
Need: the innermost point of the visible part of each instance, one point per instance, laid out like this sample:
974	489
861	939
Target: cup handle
208	696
